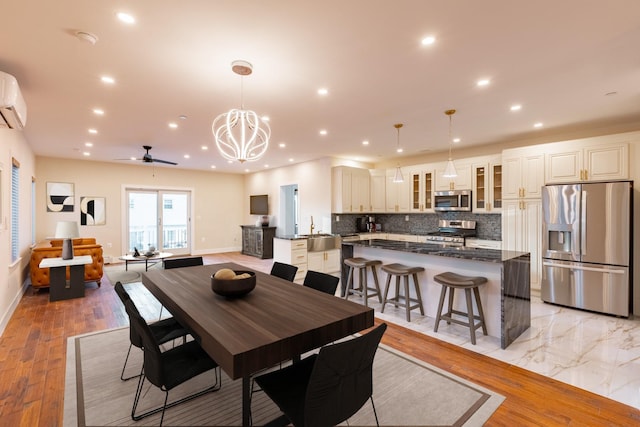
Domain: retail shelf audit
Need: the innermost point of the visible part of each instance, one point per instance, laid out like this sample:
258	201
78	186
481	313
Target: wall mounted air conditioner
13	109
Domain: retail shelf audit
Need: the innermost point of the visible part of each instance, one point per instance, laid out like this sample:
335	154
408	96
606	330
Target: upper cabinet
522	173
421	183
587	161
350	190
486	174
378	192
460	182
398	193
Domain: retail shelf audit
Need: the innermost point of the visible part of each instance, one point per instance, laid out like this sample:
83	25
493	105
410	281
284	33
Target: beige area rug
116	272
406	392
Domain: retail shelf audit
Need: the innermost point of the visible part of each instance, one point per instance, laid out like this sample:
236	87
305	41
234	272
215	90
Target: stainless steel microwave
455	200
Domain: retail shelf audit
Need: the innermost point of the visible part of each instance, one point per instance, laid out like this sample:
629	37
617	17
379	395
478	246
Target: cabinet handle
488	206
586	174
451	185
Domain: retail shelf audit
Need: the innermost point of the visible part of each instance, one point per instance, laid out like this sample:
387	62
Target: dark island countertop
461	252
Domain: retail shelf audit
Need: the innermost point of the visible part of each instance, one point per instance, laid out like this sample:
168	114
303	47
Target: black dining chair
328	388
163	330
284	271
169	263
321	281
167	370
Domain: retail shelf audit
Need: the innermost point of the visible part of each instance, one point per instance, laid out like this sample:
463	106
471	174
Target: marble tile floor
595	352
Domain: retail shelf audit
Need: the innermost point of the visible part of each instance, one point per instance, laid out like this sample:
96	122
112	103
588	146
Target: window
15	209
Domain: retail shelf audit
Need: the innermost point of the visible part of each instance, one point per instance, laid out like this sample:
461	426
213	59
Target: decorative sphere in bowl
238	285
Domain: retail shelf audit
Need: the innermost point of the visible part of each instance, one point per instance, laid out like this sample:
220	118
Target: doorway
159	219
289	208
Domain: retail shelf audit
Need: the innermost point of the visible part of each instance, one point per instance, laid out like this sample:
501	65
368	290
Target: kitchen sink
322	242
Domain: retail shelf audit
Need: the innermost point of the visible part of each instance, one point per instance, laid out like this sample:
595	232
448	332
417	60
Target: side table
59	288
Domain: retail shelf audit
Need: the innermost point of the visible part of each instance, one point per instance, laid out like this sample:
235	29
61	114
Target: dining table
276	322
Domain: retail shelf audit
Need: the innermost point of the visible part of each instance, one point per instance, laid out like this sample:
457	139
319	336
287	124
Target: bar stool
399	270
361	265
453	281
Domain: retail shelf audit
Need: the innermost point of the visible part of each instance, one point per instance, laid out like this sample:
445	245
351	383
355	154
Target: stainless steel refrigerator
586	246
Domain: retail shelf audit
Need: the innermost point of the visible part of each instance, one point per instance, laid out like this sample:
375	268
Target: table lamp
67	230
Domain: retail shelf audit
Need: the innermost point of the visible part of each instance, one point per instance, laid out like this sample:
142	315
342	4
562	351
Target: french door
159	219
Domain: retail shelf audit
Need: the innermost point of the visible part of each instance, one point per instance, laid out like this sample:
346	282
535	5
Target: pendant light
450	170
240	134
398	176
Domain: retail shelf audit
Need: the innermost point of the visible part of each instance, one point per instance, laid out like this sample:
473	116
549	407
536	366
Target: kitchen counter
506	297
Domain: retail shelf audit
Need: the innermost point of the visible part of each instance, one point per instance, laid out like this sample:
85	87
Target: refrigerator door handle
576	267
583	231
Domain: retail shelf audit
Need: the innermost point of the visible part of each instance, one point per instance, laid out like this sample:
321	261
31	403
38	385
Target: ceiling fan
148	159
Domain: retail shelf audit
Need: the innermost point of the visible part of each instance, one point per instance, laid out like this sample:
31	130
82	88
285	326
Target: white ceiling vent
13	110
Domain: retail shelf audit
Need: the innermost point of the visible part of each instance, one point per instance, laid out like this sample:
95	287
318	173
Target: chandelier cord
450	141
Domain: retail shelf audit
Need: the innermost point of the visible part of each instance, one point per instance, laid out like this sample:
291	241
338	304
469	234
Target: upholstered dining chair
284	271
167	370
321	282
163	330
328	388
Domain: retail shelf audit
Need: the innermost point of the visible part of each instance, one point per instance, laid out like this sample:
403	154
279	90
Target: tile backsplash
488	226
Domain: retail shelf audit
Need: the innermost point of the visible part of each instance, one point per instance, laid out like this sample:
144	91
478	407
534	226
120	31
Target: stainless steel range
452	233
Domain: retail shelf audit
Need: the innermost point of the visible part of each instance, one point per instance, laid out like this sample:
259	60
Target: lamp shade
67	230
450	170
398	176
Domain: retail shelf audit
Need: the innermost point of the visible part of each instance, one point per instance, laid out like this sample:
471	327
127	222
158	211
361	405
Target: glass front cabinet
487	185
422	187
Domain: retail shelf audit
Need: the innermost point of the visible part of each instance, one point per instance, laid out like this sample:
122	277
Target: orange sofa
53	249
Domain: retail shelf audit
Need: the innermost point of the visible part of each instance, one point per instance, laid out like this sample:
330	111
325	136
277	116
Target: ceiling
572	65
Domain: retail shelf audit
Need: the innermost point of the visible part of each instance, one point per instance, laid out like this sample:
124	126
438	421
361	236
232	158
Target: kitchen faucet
312	226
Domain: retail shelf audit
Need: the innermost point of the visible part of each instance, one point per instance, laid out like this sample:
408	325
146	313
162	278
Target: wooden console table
59	288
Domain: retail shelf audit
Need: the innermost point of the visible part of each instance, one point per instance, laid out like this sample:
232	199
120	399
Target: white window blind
15	209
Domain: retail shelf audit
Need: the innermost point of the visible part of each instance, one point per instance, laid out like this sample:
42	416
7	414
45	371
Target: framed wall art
60	197
92	210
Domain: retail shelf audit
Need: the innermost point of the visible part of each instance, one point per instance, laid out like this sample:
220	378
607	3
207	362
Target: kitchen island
506	298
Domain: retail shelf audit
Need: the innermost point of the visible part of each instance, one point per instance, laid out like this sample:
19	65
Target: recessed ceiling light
516	107
266	166
399	150
173	125
229	161
282	145
86	154
291	160
323	91
126	18
98	112
108	80
365	142
132	158
93	131
213	166
87	37
88	144
204	148
247	170
186	156
182	117
456	140
428	40
265	118
483	82
538	125
323	132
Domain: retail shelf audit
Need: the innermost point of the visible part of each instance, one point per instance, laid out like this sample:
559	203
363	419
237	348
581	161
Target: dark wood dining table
278	321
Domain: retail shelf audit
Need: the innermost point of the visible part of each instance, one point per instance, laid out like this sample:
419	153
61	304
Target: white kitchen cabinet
487	184
402	237
292	252
522	173
397	193
586	161
473	242
421	186
378	193
460	182
350	190
522	231
324	261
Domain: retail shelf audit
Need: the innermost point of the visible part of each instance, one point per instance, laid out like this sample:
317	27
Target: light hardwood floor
33	352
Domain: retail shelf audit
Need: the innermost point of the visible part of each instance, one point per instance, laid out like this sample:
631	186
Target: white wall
12	275
216	198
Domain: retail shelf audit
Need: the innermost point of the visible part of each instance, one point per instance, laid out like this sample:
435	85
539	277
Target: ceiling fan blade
164	161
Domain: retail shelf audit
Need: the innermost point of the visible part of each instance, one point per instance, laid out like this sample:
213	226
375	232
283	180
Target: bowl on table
232	283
